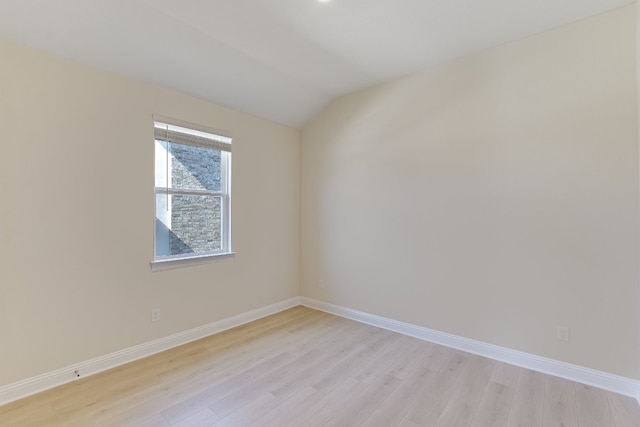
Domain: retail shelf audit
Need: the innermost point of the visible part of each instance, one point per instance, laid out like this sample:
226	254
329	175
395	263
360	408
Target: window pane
188	224
188	167
161	163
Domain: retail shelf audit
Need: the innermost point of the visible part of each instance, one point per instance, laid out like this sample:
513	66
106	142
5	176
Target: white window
192	196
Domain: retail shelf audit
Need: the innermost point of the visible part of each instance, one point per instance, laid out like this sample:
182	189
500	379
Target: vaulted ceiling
282	60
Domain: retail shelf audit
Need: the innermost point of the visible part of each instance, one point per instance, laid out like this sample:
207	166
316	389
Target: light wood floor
306	368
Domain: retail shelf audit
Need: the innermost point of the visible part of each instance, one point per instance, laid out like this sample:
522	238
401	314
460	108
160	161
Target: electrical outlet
155	314
321	284
562	333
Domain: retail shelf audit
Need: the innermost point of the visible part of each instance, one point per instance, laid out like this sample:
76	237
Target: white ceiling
283	60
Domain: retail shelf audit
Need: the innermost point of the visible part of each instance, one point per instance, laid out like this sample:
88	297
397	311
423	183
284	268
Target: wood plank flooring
305	368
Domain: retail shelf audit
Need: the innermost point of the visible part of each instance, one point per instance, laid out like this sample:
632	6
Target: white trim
184	191
225	186
604	380
181	132
24	388
171	263
592	377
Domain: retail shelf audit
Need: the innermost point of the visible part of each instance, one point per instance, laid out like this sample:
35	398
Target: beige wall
494	198
76	216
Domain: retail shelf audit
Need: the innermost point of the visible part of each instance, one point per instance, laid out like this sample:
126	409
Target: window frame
165	262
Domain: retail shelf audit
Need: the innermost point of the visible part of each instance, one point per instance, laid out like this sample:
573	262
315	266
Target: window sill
172	263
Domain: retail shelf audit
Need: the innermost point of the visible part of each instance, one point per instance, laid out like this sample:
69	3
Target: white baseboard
592	377
24	388
611	382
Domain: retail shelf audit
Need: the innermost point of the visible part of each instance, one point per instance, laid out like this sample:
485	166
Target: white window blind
172	133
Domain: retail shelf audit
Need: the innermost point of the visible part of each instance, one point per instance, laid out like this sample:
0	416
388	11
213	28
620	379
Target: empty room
319	213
